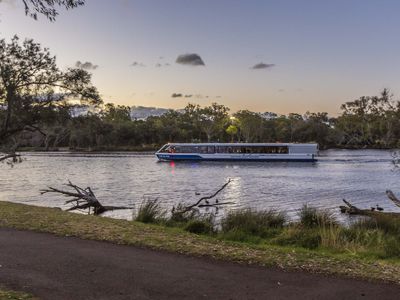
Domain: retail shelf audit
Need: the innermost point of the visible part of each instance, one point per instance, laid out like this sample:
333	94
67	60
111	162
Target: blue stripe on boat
199	158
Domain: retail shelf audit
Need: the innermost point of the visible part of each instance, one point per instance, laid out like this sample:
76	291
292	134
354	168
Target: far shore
149	149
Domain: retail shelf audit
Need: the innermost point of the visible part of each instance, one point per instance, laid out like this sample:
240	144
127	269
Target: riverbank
154	148
6	294
64	268
55	221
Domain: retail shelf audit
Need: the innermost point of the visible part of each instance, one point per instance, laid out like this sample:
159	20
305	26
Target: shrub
179	215
261	223
392	246
200	226
238	235
150	212
311	217
296	236
387	223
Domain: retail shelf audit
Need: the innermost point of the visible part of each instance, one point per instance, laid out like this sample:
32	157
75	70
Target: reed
262	224
150	211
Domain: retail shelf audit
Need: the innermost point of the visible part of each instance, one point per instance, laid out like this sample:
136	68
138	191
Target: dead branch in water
372	212
203	202
393	198
13	157
83	199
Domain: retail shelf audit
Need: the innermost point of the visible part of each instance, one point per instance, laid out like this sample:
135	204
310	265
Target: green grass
150	212
248	225
285	254
6	294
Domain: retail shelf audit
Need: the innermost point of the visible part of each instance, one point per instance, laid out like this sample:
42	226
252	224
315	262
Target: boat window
226	149
164	149
253	149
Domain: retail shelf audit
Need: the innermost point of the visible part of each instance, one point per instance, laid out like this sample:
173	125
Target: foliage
47	7
256	223
312	217
200	226
34	91
150	211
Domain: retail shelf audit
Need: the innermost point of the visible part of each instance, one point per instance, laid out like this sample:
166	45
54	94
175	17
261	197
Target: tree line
36	110
367	122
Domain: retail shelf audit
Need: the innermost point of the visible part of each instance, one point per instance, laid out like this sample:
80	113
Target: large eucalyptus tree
31	84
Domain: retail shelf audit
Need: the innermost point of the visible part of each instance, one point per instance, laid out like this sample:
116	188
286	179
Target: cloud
159	65
9	2
261	65
188	96
86	65
190	59
137	64
176	95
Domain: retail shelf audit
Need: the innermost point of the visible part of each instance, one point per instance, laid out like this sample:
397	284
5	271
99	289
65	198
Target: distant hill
142	112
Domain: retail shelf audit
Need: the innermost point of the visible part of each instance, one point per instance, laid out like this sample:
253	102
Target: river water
360	176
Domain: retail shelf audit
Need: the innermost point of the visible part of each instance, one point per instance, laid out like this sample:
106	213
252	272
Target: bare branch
85	199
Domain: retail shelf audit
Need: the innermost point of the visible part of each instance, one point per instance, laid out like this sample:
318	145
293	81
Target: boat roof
242	144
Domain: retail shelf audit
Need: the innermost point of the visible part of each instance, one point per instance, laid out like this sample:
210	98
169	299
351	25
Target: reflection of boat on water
239	151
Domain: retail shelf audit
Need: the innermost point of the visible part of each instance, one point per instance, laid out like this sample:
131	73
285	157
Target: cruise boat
238	151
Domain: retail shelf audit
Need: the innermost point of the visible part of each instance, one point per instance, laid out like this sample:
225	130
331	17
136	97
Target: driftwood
373	211
393	197
203	202
353	210
13	157
83	199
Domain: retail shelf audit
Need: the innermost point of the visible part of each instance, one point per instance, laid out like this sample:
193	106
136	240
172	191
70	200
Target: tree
48	7
369	120
213	118
250	125
116	113
232	130
31	84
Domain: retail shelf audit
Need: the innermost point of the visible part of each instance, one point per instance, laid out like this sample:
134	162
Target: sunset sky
281	56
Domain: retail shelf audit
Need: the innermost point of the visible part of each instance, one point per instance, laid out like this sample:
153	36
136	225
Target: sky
281	56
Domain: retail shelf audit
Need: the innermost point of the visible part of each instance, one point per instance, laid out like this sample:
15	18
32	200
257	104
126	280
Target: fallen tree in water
181	211
83	199
373	211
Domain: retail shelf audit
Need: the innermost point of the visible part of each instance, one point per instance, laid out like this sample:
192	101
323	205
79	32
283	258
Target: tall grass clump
315	228
150	211
311	217
200	225
245	223
387	223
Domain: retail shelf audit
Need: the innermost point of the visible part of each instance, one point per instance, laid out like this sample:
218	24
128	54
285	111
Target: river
360	176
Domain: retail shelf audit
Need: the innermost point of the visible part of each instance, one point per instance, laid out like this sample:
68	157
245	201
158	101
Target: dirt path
53	267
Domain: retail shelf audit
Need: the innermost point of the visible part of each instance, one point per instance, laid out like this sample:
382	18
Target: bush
311	217
392	246
386	223
262	223
179	215
200	226
295	236
150	212
238	235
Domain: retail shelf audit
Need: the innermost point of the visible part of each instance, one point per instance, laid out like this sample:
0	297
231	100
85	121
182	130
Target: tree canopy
33	88
48	8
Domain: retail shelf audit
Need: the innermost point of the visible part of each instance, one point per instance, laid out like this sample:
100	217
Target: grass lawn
50	220
6	294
